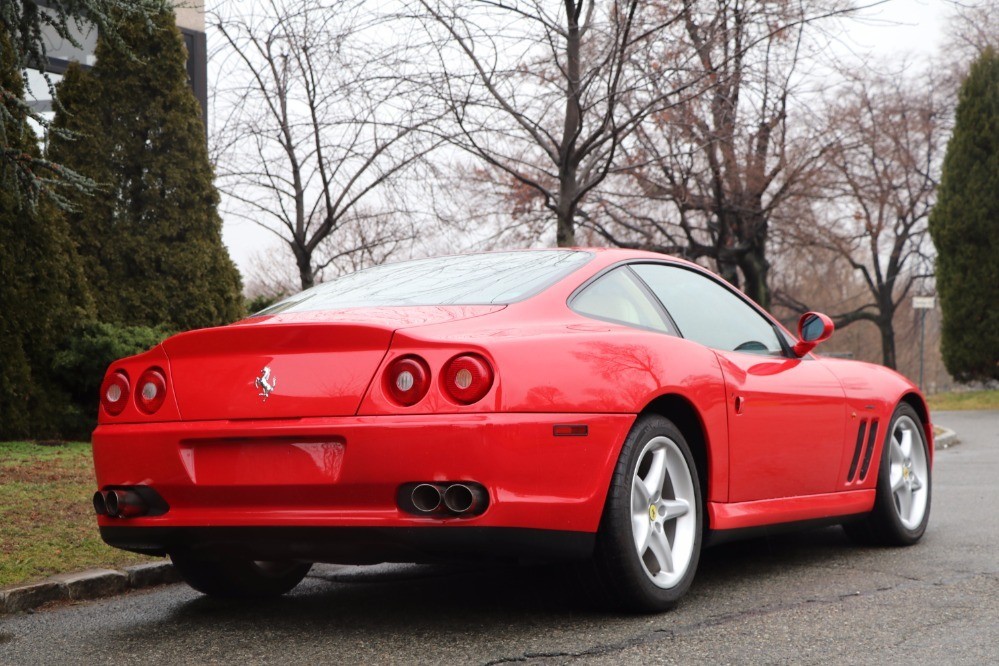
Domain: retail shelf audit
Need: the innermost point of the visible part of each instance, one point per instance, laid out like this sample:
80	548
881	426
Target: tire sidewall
239	579
627	574
885	502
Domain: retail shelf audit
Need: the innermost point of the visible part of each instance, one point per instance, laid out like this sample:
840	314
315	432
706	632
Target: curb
89	584
946	439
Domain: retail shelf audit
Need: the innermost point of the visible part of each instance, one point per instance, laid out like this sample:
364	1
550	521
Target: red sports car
619	407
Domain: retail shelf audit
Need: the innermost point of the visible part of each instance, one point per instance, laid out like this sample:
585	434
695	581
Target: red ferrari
618	407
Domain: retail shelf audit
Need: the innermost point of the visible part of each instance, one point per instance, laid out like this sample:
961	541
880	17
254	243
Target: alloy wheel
663	512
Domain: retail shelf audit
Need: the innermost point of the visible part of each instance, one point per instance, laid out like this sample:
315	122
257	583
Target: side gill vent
857	451
870	449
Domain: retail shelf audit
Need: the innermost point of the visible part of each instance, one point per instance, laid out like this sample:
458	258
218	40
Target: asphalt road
810	597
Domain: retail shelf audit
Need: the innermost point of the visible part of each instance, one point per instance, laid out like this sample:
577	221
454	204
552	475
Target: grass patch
964	400
48	521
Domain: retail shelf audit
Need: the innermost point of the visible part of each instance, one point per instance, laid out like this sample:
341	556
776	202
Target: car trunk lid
293	365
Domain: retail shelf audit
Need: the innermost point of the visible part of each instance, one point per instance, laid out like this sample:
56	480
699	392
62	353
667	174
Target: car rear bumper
353	545
315	474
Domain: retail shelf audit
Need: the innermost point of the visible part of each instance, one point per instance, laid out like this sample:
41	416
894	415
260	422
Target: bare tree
882	172
973	27
535	90
320	127
708	177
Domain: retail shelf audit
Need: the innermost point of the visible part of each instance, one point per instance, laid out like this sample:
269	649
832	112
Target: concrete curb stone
946	439
151	574
26	597
90	584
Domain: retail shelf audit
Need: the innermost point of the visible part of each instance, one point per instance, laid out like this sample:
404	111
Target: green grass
48	523
964	400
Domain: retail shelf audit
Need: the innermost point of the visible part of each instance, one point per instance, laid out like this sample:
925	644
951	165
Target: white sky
900	26
894	29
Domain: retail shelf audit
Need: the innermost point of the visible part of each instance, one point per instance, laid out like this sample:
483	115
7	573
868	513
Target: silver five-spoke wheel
649	540
904	487
907	472
662	523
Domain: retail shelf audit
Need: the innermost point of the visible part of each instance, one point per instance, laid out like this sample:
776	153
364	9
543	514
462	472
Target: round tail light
114	392
150	392
407	380
467	378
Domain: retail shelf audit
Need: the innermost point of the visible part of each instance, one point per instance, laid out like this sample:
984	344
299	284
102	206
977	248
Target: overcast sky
888	31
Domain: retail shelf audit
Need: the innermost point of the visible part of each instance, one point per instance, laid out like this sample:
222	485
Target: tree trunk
887	328
303	258
565	233
729	270
756	271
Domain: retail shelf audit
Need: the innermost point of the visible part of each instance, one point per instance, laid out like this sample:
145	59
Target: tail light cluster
408	380
114	392
150	391
465	379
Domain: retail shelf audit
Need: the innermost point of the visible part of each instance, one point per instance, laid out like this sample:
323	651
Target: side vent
870	449
865	448
857	451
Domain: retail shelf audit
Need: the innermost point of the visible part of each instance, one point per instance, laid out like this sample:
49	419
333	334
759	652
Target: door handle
740	402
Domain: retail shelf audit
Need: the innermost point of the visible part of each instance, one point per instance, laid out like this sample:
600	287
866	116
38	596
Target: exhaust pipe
100	506
124	504
462	498
426	498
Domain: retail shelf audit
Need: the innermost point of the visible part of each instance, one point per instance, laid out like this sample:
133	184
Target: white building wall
190	14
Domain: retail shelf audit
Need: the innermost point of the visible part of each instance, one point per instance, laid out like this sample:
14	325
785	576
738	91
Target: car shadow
484	596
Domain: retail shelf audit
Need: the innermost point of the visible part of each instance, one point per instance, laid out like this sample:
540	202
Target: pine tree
150	238
42	289
26	27
965	229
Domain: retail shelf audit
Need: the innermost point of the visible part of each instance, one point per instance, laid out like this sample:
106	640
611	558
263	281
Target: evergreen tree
42	289
965	228
25	27
150	238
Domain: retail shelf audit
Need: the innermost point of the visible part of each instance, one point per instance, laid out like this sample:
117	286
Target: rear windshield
469	279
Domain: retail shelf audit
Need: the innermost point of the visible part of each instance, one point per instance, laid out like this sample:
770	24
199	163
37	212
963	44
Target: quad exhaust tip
426	498
100	504
462	498
119	503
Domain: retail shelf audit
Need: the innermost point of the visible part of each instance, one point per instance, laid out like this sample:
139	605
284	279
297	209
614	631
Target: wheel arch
917	402
687	418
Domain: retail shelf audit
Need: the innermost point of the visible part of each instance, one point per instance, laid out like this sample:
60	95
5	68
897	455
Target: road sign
923	302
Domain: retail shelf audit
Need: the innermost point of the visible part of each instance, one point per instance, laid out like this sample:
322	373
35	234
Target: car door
786	416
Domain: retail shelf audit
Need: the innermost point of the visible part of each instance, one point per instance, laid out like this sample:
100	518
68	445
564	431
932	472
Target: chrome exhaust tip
100	505
124	504
462	498
426	498
111	503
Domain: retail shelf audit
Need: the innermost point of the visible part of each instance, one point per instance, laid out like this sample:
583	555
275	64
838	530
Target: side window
707	312
618	296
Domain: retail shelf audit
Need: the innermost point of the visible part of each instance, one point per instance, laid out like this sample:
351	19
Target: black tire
240	579
884	525
624	579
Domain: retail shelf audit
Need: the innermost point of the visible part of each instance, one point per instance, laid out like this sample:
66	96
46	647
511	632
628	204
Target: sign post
922	303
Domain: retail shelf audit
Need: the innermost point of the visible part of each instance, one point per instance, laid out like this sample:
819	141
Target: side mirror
813	328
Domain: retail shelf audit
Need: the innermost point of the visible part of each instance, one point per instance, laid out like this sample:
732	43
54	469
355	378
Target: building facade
190	20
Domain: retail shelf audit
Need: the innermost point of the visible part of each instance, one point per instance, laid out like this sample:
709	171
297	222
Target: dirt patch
40	471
